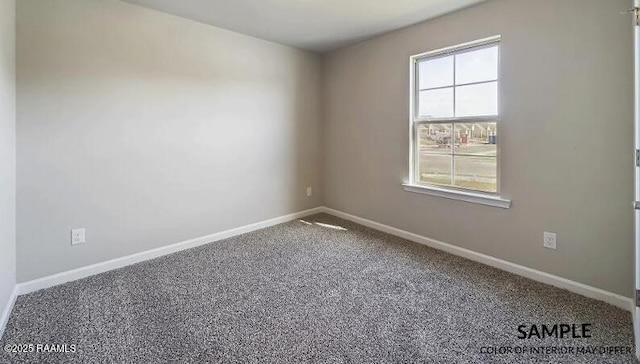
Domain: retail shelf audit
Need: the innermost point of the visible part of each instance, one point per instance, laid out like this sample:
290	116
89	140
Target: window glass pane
435	168
436	103
477	173
477	66
435	138
476	138
477	100
437	72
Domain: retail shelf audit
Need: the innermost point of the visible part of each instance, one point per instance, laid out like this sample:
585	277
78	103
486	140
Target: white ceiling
315	25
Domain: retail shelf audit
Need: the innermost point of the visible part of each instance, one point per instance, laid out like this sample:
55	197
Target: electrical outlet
309	191
77	236
549	240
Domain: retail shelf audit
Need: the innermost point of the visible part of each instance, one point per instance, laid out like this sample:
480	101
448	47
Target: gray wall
7	150
566	136
148	129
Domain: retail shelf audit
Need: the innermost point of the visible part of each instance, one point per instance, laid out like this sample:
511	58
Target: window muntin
455	118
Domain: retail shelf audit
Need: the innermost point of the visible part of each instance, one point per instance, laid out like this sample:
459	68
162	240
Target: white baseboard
4	317
617	300
625	303
83	272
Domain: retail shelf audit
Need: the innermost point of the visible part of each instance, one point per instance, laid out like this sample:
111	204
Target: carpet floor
320	290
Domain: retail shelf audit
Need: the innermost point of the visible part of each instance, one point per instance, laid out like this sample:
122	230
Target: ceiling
315	25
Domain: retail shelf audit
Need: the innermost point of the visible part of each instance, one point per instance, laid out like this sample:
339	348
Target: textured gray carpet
301	292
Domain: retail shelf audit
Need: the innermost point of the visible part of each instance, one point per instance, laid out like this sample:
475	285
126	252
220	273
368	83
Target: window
454	118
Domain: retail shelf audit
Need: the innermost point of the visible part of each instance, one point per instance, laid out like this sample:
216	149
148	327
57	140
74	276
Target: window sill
478	198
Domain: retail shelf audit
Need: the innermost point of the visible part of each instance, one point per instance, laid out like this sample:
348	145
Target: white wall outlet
309	191
77	236
549	240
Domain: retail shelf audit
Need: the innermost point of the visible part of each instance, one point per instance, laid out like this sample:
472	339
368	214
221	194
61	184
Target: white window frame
451	192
